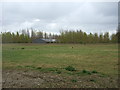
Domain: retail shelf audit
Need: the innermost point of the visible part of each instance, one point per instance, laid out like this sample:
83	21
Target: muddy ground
37	79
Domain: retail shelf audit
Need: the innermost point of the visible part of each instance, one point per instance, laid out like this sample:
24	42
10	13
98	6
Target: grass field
101	59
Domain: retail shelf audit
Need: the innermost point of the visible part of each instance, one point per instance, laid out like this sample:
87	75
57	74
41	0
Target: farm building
40	40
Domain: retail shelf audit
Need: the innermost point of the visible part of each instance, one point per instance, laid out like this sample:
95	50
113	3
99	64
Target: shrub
49	69
30	66
58	72
38	68
92	80
87	72
73	80
84	71
70	68
94	71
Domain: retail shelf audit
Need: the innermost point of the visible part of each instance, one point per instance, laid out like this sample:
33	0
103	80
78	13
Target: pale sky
54	16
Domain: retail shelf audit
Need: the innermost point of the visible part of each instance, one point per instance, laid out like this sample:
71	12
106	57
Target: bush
84	71
73	80
94	71
38	68
49	69
58	72
30	66
70	68
22	48
92	80
87	72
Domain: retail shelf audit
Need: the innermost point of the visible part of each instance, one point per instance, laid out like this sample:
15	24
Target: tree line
66	36
26	36
82	37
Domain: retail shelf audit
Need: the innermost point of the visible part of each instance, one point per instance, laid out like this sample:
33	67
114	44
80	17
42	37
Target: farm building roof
41	40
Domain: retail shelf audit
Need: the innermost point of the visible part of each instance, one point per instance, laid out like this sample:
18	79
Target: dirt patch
20	79
37	79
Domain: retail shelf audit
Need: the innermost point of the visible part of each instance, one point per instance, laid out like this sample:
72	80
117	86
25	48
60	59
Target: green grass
92	57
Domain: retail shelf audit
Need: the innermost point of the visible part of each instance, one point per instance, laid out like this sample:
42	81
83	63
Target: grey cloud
108	9
53	16
47	11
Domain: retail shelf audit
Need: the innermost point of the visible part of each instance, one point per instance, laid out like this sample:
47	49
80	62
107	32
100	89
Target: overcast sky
54	16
